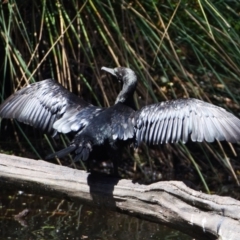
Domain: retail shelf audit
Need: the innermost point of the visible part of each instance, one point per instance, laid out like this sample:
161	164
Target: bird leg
115	157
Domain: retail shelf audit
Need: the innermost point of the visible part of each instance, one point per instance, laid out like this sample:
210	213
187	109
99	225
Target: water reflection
50	218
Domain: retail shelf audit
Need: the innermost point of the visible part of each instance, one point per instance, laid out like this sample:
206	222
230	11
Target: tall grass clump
178	49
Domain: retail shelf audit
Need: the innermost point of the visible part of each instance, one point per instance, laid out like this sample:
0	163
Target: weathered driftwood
172	203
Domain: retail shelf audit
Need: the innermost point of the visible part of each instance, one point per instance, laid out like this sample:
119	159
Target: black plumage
49	106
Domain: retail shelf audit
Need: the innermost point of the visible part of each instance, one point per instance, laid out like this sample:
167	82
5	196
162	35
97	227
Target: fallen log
171	203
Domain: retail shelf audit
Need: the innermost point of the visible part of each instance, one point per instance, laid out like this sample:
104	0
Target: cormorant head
124	75
129	80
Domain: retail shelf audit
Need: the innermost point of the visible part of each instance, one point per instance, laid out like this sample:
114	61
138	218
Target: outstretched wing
177	120
49	106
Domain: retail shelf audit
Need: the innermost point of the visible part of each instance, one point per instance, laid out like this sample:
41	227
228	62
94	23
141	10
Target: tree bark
171	203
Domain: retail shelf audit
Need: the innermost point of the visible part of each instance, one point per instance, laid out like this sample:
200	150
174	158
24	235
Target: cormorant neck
129	80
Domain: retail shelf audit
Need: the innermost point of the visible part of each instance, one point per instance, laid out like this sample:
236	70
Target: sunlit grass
177	49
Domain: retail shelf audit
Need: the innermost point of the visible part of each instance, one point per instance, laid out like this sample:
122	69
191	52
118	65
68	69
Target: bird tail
81	151
62	152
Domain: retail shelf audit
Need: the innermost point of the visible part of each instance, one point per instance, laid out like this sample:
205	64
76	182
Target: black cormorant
49	106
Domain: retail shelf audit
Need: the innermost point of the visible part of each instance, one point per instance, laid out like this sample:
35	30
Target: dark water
51	218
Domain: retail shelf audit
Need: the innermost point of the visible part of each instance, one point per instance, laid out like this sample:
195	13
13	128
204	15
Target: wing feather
163	117
49	106
174	130
181	119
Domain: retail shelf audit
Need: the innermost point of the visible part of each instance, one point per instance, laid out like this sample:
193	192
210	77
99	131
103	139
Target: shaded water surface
50	218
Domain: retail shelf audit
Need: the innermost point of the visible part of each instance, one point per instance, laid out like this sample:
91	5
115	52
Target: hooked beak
109	70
